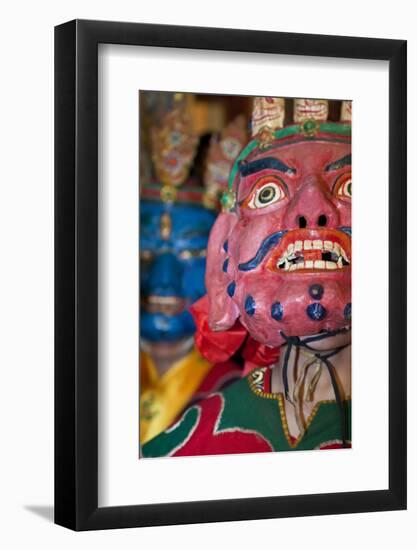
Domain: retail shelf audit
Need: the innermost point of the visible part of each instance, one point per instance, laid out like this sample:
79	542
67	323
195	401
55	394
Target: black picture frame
76	272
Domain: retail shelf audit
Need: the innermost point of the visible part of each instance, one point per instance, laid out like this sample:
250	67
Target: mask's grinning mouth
313	254
169	305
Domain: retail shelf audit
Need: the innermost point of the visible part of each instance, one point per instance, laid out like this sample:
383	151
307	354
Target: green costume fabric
247	418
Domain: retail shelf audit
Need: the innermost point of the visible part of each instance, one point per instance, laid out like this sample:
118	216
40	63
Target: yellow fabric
162	398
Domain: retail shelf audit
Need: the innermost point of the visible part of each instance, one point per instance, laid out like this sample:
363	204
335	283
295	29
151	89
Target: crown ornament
173	146
310	120
223	150
268	115
346	111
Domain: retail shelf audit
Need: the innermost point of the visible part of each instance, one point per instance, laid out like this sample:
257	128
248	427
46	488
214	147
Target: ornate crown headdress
173	147
268	116
223	151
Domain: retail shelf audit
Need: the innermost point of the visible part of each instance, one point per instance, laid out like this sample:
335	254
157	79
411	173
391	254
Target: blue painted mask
173	243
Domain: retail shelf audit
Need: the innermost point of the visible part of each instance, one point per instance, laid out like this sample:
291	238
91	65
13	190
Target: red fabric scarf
217	347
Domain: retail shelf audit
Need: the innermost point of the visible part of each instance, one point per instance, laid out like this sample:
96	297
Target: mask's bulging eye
343	186
268	193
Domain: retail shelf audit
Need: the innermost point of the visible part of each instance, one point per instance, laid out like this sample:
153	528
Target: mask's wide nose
312	207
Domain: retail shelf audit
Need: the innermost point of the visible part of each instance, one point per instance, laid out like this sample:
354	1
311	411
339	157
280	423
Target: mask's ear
223	312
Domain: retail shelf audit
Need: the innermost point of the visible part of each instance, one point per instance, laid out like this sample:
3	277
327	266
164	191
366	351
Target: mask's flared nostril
302	222
322	220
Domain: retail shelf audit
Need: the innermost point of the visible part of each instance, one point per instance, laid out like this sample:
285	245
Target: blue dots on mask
277	311
225	265
316	311
347	312
316	291
250	305
231	289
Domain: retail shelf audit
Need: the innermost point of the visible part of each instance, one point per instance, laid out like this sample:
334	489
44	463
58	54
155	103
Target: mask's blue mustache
266	245
347	230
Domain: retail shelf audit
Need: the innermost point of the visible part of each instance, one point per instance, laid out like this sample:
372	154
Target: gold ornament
165	226
168	193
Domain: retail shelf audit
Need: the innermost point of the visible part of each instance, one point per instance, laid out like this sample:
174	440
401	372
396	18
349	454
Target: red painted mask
280	259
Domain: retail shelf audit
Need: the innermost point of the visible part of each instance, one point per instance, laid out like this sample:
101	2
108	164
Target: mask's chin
280	306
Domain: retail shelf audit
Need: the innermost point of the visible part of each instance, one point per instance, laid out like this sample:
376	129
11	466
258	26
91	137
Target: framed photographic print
209	249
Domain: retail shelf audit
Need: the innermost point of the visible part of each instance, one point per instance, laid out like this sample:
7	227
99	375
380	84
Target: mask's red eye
343	186
268	190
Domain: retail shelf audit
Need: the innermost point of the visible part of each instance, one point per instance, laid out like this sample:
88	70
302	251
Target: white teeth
339	251
292	255
309	264
283	261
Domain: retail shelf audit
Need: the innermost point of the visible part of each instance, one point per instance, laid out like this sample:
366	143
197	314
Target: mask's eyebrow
248	168
337	164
